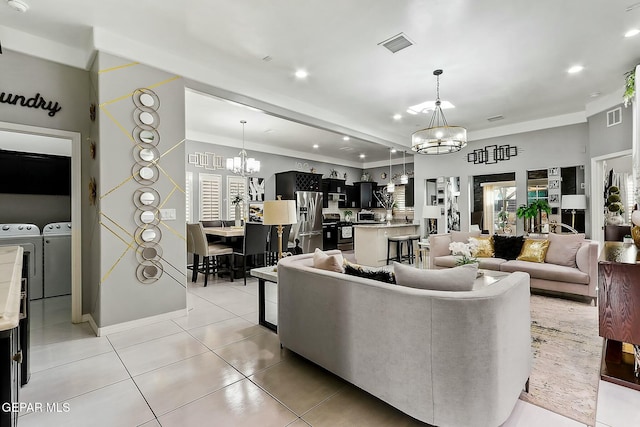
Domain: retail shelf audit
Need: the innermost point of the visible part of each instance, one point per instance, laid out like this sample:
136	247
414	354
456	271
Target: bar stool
411	239
398	240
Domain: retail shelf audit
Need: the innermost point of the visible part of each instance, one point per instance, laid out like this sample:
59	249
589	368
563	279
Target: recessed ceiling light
397	116
315	146
301	74
18	5
345	138
575	69
632	32
362	156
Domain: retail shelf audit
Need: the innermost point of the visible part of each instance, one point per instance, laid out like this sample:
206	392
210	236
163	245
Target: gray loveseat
581	279
444	358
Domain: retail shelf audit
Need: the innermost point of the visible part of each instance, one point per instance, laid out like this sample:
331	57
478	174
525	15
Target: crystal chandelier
242	165
439	137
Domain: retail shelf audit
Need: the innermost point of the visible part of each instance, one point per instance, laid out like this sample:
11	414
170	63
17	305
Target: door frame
597	202
76	205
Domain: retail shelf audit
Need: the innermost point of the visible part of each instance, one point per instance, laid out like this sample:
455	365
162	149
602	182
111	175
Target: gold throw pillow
534	250
485	247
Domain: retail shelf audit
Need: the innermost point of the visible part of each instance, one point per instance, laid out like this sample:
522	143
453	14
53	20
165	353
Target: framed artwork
554	171
256	212
554	184
193	159
256	189
554	198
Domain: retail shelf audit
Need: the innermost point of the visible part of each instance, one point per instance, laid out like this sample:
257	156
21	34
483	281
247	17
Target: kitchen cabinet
353	198
408	194
287	183
365	194
334	185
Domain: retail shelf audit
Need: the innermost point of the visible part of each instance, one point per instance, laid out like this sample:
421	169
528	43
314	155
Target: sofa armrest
587	262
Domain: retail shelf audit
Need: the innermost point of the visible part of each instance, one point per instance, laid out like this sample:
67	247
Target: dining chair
213	223
197	244
254	243
272	244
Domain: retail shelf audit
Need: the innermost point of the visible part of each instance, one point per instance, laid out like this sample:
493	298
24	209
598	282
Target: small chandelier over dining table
242	165
439	137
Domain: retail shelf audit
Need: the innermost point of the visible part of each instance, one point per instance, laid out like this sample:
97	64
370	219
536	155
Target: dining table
225	232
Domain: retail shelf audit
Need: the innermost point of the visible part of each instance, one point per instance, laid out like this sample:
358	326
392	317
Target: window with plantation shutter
236	185
401	208
210	196
188	188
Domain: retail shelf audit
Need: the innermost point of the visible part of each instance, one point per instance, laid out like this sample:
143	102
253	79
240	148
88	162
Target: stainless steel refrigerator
309	227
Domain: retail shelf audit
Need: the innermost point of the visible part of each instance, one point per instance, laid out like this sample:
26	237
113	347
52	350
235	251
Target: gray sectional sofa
445	358
579	279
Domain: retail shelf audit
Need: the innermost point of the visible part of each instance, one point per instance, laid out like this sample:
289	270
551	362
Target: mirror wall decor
494	203
442	192
146	173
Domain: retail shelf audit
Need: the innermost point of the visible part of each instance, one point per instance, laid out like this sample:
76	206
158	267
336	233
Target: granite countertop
10	284
384	225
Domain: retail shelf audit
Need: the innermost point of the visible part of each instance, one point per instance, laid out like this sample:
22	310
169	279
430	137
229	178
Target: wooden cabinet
353	198
333	189
619	309
287	183
365	191
408	194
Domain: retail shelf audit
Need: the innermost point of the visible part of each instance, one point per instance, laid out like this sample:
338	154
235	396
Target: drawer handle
17	357
23	305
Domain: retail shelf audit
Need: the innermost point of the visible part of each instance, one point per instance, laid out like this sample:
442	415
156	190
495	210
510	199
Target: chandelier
439	137
404	178
242	165
390	186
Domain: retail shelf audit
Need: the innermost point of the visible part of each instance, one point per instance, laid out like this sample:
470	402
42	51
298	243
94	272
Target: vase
635	234
238	215
389	216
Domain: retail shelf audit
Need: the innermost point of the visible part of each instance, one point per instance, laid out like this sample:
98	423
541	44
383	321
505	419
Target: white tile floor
216	367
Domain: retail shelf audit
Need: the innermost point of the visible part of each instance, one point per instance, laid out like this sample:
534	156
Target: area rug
566	357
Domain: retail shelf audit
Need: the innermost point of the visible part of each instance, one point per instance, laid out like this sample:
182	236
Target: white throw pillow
563	249
328	262
451	279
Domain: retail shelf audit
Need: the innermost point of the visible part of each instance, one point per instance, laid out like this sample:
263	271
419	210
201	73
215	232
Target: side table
267	275
424	248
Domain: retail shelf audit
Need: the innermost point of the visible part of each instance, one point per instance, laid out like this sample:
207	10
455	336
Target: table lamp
431	213
574	202
279	212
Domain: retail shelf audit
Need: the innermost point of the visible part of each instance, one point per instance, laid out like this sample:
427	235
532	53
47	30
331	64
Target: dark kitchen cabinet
334	185
408	194
287	183
353	198
365	191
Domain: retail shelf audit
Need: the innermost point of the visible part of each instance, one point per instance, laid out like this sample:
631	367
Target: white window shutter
236	185
188	188
210	197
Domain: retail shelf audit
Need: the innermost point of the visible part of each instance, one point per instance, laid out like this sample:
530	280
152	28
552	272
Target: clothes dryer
56	239
28	236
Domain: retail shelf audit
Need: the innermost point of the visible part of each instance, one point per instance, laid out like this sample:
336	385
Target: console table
619	310
267	317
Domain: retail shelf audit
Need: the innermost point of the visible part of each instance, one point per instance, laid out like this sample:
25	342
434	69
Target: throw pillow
328	262
563	248
380	274
533	250
449	279
484	246
507	247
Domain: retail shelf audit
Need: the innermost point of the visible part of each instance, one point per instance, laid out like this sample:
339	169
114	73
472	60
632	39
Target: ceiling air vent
614	117
496	118
396	43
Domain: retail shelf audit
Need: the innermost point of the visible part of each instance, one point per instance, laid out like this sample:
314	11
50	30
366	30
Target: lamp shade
430	212
279	212
574	201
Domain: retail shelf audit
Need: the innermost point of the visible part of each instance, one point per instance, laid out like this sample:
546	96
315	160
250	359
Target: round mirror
149	253
147	198
146	154
148	235
147	100
147	136
147	217
146	173
146	118
150	271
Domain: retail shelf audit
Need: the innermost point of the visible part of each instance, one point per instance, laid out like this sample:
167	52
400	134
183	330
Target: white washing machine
28	236
56	241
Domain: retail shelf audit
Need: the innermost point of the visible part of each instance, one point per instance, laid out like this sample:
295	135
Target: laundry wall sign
36	101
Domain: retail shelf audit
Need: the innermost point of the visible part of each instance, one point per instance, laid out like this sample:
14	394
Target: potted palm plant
532	212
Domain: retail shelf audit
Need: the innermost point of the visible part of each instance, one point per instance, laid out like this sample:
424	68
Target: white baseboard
119	327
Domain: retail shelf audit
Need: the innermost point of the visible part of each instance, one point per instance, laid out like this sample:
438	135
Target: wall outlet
168	214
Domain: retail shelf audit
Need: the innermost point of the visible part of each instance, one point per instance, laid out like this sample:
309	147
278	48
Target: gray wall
38	209
562	146
122	297
605	140
269	165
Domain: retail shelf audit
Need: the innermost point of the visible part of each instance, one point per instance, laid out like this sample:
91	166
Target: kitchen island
370	241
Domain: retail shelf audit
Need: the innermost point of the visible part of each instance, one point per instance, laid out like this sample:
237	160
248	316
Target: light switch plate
168	214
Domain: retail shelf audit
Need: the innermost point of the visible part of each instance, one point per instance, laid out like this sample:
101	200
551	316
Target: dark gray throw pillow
380	274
